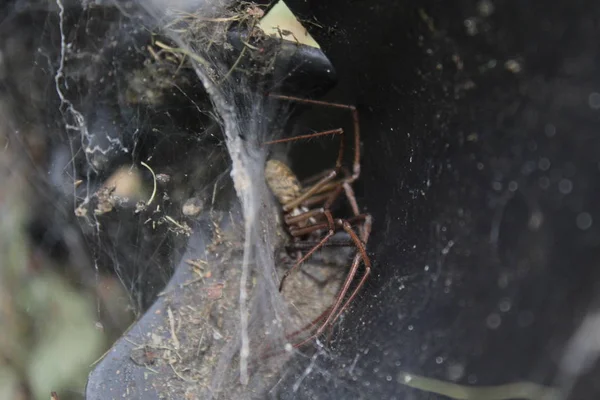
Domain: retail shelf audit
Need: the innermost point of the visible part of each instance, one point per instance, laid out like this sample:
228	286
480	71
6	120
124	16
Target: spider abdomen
282	181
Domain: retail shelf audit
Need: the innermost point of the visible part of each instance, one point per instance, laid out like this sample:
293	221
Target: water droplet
439	360
504	305
544	164
493	321
485	8
513	66
535	220
565	186
471	26
584	221
594	101
455	371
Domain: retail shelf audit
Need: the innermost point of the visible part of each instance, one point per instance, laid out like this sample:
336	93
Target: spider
307	213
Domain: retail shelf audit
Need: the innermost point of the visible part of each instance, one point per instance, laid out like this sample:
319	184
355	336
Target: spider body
282	182
310	221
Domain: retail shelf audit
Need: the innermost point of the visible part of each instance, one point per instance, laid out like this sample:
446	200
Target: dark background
481	163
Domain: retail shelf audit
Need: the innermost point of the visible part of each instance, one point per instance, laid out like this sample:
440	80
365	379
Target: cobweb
151	90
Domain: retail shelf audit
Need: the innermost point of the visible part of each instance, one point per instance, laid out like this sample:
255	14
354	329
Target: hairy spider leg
329	234
365	237
327	177
317	187
338	308
320	226
323	195
356	162
329	199
331	310
338	131
364	219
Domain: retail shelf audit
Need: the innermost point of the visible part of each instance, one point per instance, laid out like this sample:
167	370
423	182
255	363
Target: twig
151	369
154	180
139	346
199	344
196	263
180	376
172	326
177	224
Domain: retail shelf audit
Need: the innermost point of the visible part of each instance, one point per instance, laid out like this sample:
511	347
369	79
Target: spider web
165	108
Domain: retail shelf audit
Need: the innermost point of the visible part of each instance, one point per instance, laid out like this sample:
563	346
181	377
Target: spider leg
308	245
315	200
326	190
309	325
337	308
297	332
329	234
296	232
356	162
309	181
310	192
354	205
365	238
351	198
323	195
296	219
330	310
318	280
338	131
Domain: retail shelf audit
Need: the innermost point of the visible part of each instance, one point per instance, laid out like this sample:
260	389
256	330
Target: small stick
172	326
154	180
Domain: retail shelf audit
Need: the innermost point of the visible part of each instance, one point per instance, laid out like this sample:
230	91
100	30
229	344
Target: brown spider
307	212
